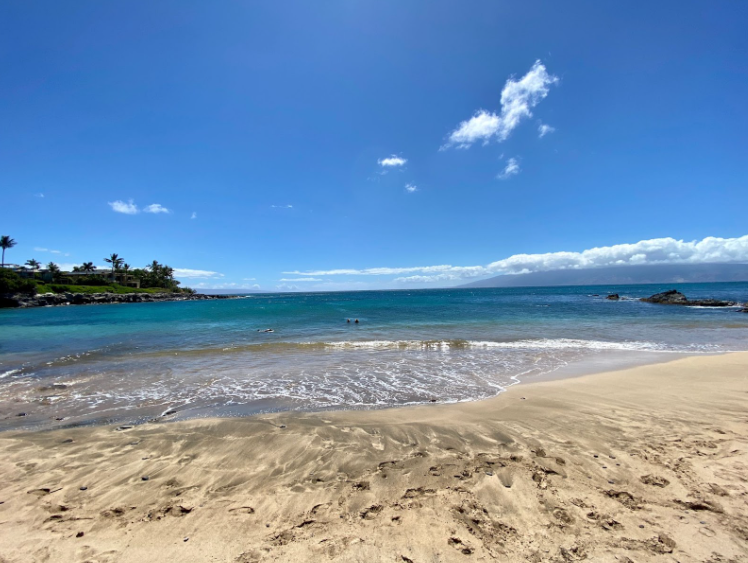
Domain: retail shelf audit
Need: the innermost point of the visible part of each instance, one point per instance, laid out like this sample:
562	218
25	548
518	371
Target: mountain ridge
621	275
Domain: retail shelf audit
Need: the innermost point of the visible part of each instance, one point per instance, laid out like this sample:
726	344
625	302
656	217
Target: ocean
132	363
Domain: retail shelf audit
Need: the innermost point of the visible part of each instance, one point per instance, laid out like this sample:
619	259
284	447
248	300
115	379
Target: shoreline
607	361
643	464
28	301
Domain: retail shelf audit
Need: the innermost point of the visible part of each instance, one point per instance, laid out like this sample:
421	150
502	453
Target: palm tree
115	261
88	267
54	269
6	242
125	268
33	264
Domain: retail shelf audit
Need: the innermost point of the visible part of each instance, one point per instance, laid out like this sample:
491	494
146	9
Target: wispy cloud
223	285
544	129
517	99
286	287
511	169
282	206
668	250
393	161
194	215
249	279
156	208
129	207
39	195
60	252
189	273
300	279
120	206
410	188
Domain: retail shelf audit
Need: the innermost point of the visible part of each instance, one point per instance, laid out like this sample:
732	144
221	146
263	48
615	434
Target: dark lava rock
145	477
613	297
84	488
675	297
54	299
79	535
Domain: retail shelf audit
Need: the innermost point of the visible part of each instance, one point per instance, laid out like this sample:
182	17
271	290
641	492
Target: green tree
125	269
6	242
33	264
88	267
115	261
54	269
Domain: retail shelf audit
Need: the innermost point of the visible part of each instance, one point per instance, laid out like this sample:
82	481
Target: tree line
154	274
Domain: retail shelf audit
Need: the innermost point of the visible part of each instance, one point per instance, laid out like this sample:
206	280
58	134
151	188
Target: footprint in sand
506	477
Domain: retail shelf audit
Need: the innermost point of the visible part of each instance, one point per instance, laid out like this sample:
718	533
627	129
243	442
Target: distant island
622	275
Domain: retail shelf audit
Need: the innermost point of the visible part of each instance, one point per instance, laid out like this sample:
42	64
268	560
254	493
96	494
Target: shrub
10	282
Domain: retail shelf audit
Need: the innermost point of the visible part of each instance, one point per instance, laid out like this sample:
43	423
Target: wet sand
643	464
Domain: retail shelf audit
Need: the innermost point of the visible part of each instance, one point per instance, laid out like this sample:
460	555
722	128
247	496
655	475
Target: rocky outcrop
613	297
51	299
674	297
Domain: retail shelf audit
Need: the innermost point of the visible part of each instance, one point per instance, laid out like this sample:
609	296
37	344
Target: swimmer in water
356	321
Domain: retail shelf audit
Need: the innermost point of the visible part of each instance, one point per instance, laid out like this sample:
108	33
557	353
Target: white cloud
511	169
68	266
156	208
188	273
410	188
286	287
40	195
226	285
249	279
668	250
60	252
392	161
544	129
483	125
128	208
282	206
374	271
194	215
517	99
300	279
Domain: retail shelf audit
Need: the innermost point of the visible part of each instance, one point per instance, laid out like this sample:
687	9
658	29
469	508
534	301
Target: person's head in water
348	320
356	321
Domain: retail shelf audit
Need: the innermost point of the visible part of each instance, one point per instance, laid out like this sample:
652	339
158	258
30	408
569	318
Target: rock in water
613	297
675	297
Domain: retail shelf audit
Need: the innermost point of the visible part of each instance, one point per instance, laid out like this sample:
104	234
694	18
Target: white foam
530	344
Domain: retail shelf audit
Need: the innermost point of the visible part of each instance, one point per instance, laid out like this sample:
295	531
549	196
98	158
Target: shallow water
135	361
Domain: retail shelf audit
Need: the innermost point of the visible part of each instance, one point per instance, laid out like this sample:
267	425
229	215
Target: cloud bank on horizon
667	250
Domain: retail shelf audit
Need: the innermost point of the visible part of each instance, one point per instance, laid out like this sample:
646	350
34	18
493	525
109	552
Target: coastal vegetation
122	278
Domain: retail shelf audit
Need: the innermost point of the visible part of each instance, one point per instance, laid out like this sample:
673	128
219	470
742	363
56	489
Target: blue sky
343	143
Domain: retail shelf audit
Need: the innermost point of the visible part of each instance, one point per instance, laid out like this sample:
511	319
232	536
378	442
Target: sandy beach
644	464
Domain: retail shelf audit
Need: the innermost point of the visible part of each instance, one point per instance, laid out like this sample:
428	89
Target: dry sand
646	464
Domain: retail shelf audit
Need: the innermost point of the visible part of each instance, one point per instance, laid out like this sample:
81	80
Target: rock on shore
674	297
48	299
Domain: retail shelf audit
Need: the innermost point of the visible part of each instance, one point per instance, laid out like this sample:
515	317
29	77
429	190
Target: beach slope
645	464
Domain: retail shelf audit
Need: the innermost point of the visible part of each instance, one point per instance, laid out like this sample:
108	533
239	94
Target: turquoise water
135	361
